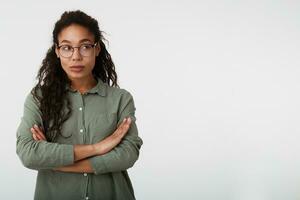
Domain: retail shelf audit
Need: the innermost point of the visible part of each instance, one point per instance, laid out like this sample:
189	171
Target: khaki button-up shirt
95	115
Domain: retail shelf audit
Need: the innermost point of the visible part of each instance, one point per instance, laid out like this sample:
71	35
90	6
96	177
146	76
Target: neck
84	84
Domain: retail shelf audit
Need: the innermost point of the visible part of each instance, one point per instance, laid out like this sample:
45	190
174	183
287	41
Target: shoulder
121	100
118	93
32	98
31	103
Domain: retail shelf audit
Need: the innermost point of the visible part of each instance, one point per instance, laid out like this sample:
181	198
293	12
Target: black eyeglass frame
59	46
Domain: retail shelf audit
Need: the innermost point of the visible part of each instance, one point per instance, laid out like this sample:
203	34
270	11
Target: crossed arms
117	152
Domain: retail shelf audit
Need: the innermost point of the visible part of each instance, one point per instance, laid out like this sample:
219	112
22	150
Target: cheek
64	64
90	63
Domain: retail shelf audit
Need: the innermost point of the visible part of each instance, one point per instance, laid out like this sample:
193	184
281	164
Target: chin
77	75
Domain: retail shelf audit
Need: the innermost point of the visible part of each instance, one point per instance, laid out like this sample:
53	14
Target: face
75	36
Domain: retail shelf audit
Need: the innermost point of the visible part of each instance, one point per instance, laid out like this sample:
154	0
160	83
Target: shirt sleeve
39	154
126	153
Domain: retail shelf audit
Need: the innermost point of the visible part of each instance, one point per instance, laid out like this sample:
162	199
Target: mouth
76	68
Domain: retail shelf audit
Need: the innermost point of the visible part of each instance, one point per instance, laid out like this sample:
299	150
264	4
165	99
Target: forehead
75	34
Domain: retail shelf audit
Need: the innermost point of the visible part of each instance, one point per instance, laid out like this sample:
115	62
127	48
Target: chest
92	119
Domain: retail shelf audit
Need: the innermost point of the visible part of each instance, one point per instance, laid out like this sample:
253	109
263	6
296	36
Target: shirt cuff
67	154
98	164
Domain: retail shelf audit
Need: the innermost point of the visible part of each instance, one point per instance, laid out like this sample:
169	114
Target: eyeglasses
84	50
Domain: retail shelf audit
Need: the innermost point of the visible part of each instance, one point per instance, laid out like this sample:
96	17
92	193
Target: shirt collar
99	88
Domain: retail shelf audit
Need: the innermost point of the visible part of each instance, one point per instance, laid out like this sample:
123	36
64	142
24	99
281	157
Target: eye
66	48
86	46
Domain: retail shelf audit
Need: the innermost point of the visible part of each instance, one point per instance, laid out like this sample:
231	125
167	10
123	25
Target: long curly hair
50	91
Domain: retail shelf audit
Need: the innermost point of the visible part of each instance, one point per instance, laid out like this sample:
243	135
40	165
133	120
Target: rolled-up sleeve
39	154
126	153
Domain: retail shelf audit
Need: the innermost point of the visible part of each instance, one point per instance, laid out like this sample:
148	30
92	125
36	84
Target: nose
76	54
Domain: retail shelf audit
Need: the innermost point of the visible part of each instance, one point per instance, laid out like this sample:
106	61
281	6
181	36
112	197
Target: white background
216	86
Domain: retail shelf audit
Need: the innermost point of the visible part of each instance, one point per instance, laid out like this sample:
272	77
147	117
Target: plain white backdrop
216	86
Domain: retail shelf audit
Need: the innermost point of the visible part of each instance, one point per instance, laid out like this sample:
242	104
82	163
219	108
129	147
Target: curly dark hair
50	91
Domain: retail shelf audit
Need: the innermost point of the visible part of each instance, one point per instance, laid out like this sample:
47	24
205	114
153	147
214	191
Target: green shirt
95	115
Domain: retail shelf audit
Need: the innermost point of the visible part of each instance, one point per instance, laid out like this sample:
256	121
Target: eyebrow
83	40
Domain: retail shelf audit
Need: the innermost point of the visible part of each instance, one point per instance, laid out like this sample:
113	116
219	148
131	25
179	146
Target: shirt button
85	174
81	130
80	108
86	198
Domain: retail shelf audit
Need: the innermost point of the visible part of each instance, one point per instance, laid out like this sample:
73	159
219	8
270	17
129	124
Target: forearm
82	151
42	154
82	166
120	158
86	151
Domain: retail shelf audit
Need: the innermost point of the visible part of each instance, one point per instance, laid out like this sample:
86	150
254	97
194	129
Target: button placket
81	117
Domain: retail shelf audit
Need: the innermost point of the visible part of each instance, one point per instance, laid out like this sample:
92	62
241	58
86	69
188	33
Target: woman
78	127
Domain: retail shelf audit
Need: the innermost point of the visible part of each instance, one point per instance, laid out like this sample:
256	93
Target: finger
123	122
127	124
38	136
40	133
34	137
37	128
121	125
35	134
33	131
128	120
125	128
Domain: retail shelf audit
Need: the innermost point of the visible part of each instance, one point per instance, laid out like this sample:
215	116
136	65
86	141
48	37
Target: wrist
97	148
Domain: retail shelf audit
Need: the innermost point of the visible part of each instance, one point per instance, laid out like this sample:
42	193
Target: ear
56	51
98	49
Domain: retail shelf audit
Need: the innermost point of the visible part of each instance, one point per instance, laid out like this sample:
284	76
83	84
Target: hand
37	133
114	139
122	128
